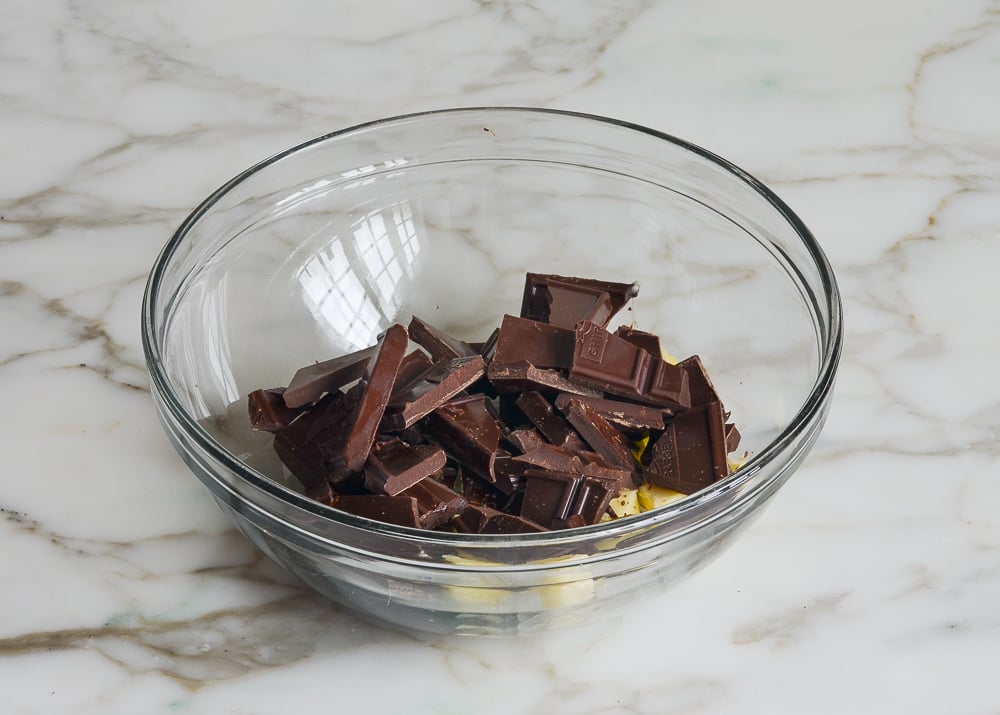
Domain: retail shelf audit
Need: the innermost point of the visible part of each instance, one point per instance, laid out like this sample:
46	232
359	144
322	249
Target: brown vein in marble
87	330
962	38
785	626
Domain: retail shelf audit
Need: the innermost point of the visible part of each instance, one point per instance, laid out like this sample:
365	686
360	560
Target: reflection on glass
357	282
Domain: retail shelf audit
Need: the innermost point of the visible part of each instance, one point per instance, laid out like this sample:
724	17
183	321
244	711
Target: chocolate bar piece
524	377
540	344
536	301
617	366
401	510
439	345
484	520
436	386
608	442
733	437
691	453
393	465
552	498
311	381
568	304
415	364
627	415
466	428
700	384
268	412
552	426
348	454
647	341
525	439
302	446
437	504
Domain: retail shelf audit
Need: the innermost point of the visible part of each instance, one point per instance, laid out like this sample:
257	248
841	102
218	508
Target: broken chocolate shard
647	341
569	303
542	345
700	385
437	504
615	365
438	344
349	453
305	445
393	465
401	510
268	412
433	388
627	415
524	377
415	364
691	453
467	429
311	381
525	439
561	499
498	522
535	303
552	426
551	457
607	441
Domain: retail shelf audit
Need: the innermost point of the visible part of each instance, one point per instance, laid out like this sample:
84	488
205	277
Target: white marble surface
871	584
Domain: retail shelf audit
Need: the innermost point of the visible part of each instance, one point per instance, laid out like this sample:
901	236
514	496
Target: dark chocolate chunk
617	366
570	303
524	377
600	435
627	415
552	426
311	381
302	446
415	364
701	387
401	510
439	345
438	505
535	303
436	386
467	429
551	457
348	454
268	412
498	522
553	498
691	453
393	465
525	439
542	345
647	341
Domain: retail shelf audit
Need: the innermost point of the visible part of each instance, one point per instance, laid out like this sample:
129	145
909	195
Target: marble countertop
872	582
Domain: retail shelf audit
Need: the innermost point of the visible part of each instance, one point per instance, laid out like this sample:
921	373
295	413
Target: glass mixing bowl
313	252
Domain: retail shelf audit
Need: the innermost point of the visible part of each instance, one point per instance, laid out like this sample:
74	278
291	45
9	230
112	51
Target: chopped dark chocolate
534	429
552	426
700	385
433	388
540	344
349	453
691	453
466	428
439	345
615	365
647	341
607	441
536	301
627	415
311	381
268	412
393	465
523	377
401	510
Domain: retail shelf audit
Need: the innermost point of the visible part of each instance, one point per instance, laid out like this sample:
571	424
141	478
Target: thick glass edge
810	410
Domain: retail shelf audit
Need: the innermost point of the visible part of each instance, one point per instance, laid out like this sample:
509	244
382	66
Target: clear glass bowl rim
831	347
